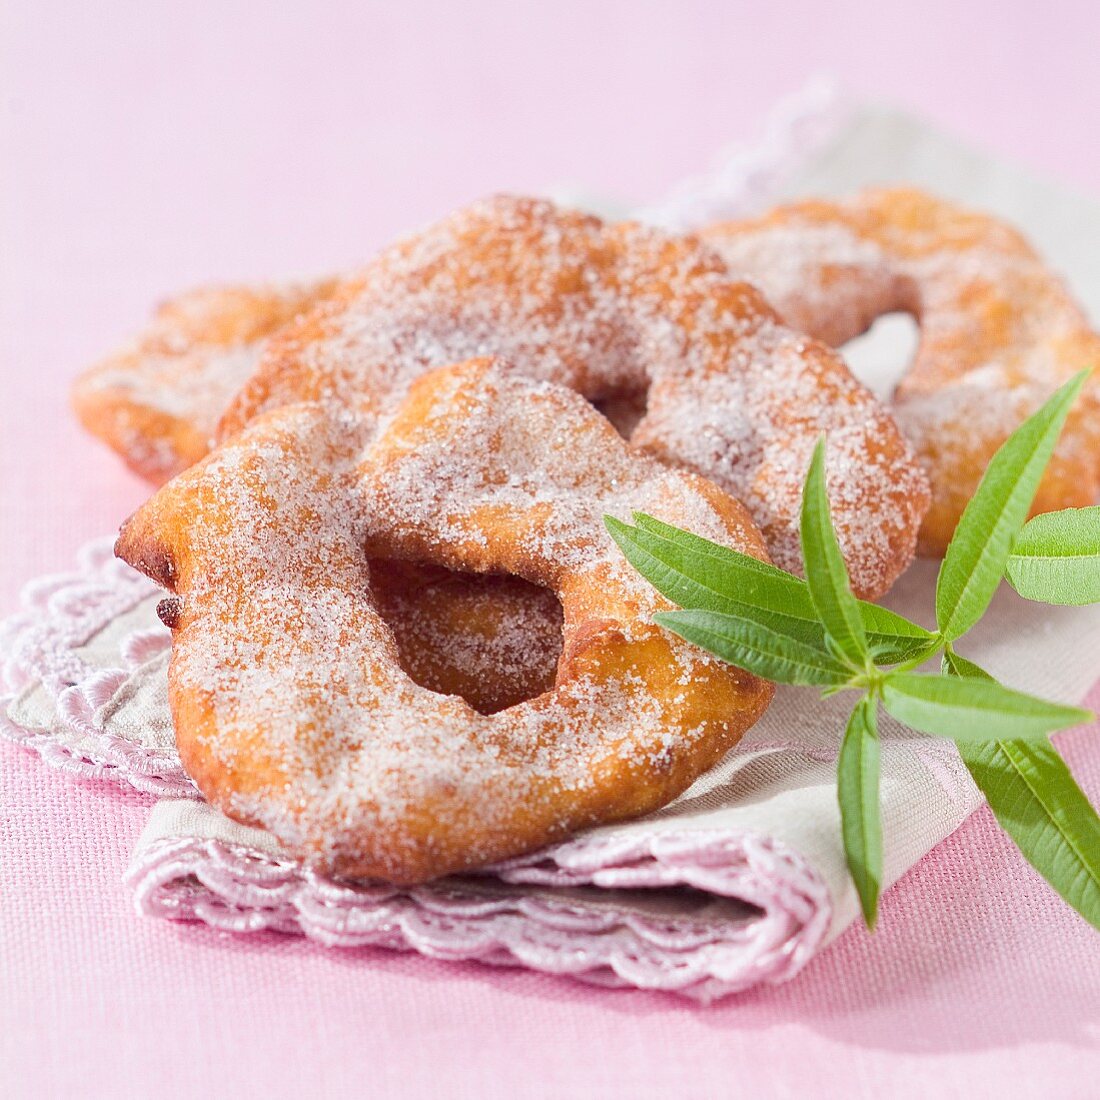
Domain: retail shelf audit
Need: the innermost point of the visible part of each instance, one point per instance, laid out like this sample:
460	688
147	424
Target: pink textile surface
145	150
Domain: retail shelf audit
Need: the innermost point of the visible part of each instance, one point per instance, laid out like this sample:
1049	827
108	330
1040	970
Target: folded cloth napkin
741	879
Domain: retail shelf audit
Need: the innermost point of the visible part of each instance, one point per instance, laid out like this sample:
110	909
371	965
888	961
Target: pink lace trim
39	645
747	178
240	890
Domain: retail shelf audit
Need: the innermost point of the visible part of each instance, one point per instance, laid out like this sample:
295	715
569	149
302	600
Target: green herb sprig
815	633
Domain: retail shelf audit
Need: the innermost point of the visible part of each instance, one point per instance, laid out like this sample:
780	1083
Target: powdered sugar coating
610	310
291	709
999	331
492	640
157	401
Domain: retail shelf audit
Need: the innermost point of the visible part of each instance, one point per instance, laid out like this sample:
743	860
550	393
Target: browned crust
695	706
987	305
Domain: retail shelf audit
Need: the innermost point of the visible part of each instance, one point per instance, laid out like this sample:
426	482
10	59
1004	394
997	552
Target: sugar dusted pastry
610	311
291	708
157	402
998	330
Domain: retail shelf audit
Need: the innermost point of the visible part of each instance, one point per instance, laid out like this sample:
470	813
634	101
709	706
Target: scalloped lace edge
239	889
748	176
60	613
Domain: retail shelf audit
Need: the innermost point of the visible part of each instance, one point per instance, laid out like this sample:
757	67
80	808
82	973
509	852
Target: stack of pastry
402	639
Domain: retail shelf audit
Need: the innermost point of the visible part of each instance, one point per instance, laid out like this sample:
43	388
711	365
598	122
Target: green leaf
1036	801
716	578
857	788
1056	558
694	572
955	665
826	573
755	646
971	709
893	638
688	541
977	554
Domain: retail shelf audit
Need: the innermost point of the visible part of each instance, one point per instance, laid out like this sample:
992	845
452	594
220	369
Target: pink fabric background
146	149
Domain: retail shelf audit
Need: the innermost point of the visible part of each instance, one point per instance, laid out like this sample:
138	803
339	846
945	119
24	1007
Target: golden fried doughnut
157	402
613	311
493	640
291	708
999	331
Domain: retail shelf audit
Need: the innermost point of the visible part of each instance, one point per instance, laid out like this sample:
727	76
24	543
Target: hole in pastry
494	640
880	357
624	410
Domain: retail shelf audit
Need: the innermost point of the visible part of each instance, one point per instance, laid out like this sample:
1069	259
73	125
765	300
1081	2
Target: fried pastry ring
611	310
157	402
492	640
998	331
291	708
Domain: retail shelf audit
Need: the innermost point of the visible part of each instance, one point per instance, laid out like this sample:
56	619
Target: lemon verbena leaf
1056	558
979	550
973	709
826	573
857	779
758	647
694	572
1038	803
